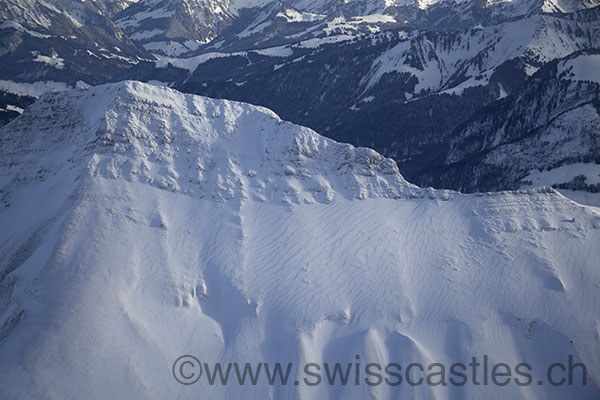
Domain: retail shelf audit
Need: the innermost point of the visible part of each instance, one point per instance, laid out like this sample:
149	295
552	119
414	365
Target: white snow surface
36	89
565	173
33	89
53	61
291	15
585	67
139	224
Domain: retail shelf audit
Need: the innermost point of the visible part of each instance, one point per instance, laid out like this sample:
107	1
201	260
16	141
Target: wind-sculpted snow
139	224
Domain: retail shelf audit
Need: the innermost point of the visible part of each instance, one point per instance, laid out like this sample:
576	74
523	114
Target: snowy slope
569	179
438	60
140	224
583	67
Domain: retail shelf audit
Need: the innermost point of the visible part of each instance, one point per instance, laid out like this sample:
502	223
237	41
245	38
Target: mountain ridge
151	117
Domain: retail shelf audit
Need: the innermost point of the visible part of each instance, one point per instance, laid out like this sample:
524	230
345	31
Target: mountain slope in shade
551	121
408	91
176	28
140	224
197	21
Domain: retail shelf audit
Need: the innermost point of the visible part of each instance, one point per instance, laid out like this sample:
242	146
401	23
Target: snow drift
139	224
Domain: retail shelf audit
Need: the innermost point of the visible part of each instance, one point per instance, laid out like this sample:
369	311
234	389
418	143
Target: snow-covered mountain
176	27
139	224
411	79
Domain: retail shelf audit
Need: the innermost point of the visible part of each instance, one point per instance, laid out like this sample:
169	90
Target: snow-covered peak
190	144
108	276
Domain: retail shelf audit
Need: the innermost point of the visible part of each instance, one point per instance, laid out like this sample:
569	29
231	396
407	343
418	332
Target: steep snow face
139	224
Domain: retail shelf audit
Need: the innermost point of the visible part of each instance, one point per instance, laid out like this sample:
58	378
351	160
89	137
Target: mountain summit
193	145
